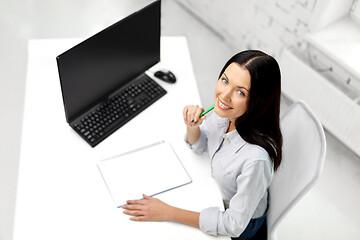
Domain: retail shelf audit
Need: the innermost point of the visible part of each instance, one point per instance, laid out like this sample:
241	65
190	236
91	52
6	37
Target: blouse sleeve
201	145
252	184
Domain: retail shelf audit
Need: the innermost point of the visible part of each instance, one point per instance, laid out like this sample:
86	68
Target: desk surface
61	194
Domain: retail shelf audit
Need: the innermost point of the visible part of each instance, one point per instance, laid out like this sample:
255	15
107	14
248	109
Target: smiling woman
243	139
259	124
231	91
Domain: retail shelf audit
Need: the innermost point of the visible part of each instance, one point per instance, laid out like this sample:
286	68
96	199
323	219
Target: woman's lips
223	106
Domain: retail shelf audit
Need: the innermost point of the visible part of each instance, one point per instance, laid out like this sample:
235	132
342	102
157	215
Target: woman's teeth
223	105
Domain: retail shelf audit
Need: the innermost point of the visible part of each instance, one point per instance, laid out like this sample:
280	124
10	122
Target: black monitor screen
98	66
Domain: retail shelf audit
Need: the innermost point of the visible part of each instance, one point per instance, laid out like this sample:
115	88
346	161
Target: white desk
61	194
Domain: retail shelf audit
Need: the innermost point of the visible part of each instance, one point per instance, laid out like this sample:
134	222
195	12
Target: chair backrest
304	148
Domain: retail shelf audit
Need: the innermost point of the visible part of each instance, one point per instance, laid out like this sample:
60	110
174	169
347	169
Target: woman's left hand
148	209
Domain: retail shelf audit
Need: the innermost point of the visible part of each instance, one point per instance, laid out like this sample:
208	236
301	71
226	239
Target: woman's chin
220	112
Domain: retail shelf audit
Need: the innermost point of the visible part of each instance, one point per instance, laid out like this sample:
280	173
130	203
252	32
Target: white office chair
304	148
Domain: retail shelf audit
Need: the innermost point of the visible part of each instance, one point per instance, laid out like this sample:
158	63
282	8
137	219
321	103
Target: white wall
268	25
329	11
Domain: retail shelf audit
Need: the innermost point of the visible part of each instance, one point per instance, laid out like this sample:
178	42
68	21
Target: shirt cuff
208	220
200	145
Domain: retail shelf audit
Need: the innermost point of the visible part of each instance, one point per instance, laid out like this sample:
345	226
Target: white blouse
243	172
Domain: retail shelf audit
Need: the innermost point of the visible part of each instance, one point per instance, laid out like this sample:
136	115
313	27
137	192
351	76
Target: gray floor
329	211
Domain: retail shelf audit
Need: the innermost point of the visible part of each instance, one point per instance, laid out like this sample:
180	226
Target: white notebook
151	170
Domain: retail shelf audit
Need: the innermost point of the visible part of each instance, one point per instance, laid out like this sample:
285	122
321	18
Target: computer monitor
105	62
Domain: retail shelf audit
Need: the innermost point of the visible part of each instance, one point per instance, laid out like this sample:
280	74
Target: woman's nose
226	94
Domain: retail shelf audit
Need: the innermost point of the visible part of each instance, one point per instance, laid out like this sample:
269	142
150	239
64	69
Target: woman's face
232	91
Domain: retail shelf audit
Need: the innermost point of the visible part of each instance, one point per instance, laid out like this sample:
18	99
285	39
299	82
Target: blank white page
150	170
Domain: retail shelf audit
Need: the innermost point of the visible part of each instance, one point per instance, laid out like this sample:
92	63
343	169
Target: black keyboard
105	118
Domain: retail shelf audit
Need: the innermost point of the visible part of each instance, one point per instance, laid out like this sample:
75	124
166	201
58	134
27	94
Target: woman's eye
241	93
225	81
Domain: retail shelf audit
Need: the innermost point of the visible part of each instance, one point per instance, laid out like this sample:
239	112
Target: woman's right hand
191	115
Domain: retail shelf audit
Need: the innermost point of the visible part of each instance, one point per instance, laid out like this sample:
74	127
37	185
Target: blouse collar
233	137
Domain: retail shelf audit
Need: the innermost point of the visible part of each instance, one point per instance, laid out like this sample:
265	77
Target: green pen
202	114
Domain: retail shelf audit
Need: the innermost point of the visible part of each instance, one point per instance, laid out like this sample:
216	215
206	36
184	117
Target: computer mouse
166	76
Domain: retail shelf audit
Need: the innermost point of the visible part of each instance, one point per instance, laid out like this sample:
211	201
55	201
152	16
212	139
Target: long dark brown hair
260	123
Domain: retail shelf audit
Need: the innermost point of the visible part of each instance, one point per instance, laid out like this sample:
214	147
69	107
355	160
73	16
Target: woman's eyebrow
237	86
225	76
